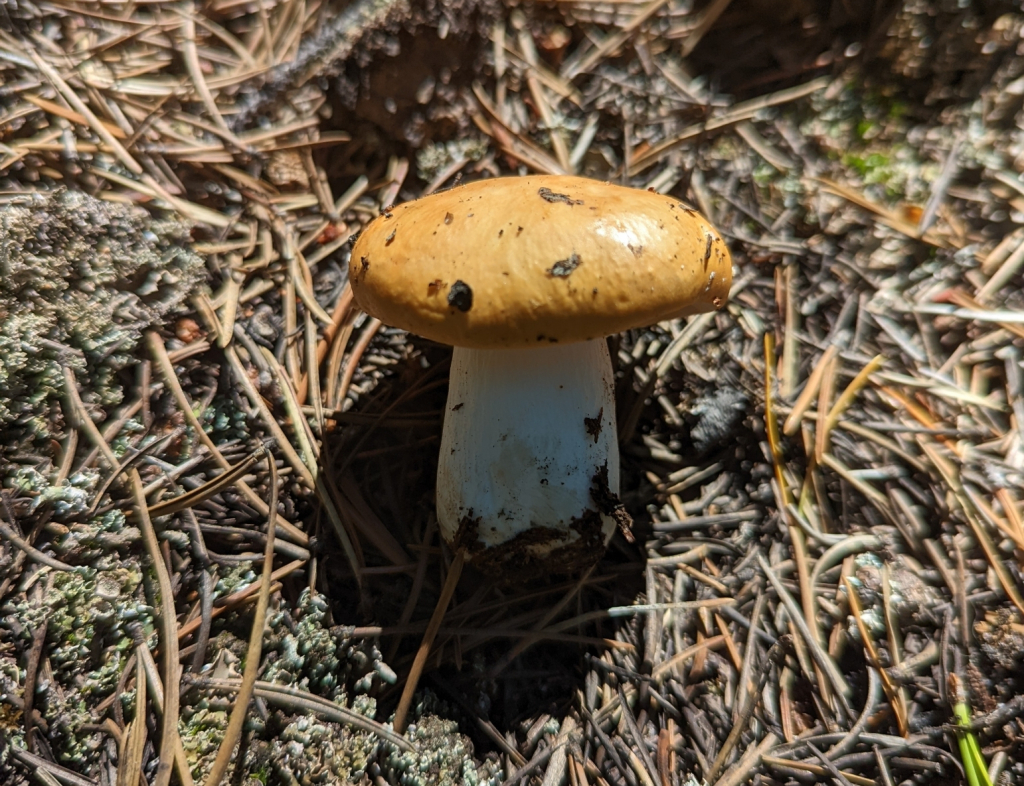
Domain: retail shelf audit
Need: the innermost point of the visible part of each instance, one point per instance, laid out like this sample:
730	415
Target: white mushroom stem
526	433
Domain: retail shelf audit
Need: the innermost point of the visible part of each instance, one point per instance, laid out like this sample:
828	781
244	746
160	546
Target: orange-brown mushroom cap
522	261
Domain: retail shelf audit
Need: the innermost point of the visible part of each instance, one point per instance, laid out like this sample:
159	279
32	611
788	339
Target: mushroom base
520	558
528	457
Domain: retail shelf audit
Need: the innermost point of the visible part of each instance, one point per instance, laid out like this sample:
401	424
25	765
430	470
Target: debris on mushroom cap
513	262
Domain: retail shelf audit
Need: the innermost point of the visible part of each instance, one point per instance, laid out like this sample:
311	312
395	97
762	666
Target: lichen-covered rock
80	279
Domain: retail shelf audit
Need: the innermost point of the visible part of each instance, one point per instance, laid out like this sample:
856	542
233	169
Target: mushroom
526	277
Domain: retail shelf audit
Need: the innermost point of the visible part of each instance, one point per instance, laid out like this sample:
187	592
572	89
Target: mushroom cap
522	261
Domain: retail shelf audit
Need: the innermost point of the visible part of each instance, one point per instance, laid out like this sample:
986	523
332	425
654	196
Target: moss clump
80	279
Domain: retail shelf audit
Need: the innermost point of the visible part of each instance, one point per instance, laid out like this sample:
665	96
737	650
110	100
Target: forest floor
826	476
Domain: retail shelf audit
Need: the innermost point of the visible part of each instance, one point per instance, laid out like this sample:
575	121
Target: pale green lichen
122	443
68	716
202	725
234	580
302	651
26	480
12	730
306	654
79	608
312	751
433	158
72	497
865	130
80	279
443	758
201	729
92	620
98	541
30	374
225	421
309	750
95	540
